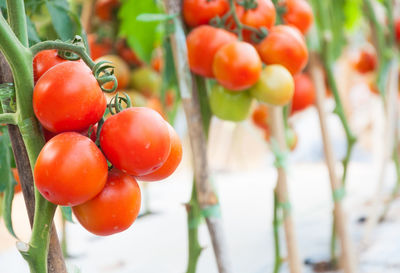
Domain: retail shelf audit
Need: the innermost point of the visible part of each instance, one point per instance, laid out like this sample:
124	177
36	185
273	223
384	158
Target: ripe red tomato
98	48
121	71
114	209
68	98
260	116
203	43
17	187
304	92
275	86
70	170
105	9
136	140
172	162
157	62
262	16
45	60
299	14
237	66
228	105
284	45
366	61
126	53
200	12
397	27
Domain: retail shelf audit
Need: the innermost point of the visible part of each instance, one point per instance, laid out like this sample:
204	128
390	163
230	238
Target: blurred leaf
64	25
353	13
7	181
141	36
66	213
33	36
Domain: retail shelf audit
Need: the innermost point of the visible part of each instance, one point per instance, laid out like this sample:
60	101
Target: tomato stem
14	47
276	224
8	118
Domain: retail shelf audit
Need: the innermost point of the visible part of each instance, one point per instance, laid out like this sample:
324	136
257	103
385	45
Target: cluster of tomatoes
237	66
89	165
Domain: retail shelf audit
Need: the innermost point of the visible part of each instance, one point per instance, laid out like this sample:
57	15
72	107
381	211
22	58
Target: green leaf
142	36
7	181
353	13
60	16
153	17
33	36
67	213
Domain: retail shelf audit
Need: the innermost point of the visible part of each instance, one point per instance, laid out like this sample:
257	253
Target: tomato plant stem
194	218
59	45
276	225
12	45
278	133
8	118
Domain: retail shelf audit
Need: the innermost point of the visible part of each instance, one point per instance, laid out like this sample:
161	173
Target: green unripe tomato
228	105
146	80
291	138
275	85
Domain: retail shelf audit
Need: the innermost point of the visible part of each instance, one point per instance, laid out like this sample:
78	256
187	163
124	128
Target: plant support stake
206	196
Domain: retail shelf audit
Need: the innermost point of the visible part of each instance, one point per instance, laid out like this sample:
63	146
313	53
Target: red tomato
98	48
105	9
68	98
203	43
262	16
304	92
70	170
114	209
200	12
397	27
170	98
126	53
366	61
17	187
237	66
299	14
136	140
45	60
172	162
284	45
260	116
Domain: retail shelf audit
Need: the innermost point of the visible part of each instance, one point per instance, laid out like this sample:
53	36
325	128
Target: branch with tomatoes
77	154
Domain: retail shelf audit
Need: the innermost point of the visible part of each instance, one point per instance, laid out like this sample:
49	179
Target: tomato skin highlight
237	66
284	45
114	209
229	105
143	147
172	162
262	16
299	14
45	60
200	12
203	43
68	98
70	170
276	86
304	92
